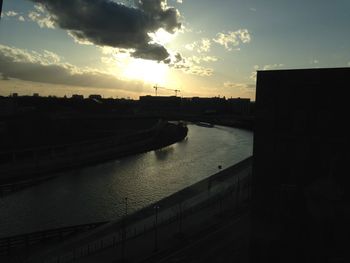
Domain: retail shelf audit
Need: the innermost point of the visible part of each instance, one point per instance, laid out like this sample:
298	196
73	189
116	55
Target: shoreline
146	141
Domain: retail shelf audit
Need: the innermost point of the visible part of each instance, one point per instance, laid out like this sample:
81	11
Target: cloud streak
239	86
265	67
13	14
191	65
201	46
233	39
107	23
47	67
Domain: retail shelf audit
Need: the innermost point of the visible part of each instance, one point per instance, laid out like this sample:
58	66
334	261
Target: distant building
35	94
160	101
95	96
209	105
77	97
300	207
14	95
240	106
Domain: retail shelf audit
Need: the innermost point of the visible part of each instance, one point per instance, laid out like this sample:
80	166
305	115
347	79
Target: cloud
191	65
268	67
10	13
239	86
265	67
43	19
199	59
108	23
253	75
13	14
245	90
231	39
200	46
47	67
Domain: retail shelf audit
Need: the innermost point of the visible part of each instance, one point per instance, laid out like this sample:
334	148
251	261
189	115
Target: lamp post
237	193
180	218
126	206
124	230
156	207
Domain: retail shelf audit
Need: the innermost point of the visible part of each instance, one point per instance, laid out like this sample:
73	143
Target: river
97	193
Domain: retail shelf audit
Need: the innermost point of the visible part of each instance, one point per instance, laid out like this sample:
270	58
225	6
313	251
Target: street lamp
180	218
156	207
124	230
126	206
237	193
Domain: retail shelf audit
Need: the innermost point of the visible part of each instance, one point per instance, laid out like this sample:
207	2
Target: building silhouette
300	207
77	97
240	106
95	96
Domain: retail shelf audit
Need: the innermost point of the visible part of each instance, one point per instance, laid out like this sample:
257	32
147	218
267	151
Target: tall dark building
240	106
0	8
300	209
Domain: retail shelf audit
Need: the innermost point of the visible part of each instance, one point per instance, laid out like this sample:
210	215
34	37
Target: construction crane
156	87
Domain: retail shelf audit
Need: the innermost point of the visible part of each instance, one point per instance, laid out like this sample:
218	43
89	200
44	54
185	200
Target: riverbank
245	123
45	162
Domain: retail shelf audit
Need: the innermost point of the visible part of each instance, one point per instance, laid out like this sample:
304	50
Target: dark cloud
107	23
45	68
152	52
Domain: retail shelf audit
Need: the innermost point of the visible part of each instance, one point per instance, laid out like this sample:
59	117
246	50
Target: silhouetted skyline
109	52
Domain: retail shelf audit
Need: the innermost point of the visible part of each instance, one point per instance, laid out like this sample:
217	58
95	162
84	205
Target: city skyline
124	48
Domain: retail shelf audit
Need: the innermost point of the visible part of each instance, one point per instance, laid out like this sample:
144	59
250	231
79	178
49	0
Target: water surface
97	193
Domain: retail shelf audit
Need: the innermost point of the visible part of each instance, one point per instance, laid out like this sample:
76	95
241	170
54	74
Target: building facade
301	151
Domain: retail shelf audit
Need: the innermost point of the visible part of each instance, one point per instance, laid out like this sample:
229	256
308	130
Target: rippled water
97	193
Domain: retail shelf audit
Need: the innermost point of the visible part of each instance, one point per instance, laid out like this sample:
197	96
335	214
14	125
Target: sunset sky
202	47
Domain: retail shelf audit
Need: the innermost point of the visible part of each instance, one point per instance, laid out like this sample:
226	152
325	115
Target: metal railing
8	244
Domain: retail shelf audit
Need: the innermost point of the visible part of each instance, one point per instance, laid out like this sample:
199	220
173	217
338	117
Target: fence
10	243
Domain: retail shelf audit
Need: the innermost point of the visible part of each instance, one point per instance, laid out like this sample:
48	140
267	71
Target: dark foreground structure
300	206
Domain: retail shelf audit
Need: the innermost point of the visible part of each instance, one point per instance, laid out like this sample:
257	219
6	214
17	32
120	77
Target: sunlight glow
162	37
146	70
123	66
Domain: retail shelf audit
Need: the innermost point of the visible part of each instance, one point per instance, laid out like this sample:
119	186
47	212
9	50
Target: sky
205	48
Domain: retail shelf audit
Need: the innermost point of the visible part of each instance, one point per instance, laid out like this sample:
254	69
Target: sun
148	71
